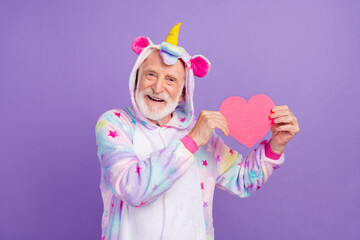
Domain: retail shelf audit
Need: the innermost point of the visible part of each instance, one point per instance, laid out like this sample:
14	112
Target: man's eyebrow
172	76
153	70
149	69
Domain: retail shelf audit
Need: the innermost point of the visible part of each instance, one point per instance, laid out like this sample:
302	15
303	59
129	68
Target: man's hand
284	128
206	122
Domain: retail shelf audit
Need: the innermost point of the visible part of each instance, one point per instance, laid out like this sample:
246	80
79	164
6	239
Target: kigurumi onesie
156	183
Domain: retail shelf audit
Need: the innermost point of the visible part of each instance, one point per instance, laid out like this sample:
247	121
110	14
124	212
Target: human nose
158	86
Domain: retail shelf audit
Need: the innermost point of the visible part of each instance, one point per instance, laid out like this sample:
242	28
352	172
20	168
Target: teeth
156	99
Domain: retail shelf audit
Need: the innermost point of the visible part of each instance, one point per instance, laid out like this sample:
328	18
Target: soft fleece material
133	179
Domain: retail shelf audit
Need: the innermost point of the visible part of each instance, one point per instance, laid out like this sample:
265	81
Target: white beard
152	112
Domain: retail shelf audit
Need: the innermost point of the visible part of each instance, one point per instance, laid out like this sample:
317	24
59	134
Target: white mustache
164	96
152	112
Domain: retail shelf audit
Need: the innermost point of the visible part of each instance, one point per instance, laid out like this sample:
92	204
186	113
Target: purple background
64	63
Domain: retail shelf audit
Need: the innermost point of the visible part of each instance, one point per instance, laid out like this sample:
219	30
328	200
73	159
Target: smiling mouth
156	99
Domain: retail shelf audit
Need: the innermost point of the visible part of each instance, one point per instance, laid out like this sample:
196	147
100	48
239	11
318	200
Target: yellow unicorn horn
172	38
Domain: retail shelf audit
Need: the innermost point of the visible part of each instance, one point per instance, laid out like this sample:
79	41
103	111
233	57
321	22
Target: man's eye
151	75
171	80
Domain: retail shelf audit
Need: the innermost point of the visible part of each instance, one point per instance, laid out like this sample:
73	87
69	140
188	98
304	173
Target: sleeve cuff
270	154
190	144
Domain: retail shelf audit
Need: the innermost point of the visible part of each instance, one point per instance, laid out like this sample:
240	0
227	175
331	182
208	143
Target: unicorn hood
196	65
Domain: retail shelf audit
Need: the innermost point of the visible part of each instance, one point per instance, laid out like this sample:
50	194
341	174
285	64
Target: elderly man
160	165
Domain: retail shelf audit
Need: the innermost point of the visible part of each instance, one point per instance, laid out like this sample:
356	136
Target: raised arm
243	176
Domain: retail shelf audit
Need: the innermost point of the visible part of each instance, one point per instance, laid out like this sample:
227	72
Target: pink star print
239	163
205	204
138	170
155	187
118	114
231	152
113	134
217	158
142	203
202	185
183	119
205	163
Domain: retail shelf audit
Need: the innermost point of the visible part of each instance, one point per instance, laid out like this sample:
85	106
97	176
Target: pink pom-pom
200	65
139	44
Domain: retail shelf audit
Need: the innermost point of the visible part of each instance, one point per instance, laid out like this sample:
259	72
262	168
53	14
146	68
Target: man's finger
282	107
224	130
286	119
220	117
289	128
280	114
217	120
220	122
222	125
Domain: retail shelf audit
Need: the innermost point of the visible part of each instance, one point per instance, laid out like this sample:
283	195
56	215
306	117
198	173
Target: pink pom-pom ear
200	65
140	43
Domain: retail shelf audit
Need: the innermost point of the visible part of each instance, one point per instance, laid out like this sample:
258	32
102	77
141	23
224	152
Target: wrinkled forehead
155	62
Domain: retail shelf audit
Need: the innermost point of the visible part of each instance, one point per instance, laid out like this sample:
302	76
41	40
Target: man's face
159	87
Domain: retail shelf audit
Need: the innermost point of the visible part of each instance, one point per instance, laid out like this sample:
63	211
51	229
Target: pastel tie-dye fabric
130	181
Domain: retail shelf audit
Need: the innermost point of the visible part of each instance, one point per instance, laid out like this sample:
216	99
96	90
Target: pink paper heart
248	122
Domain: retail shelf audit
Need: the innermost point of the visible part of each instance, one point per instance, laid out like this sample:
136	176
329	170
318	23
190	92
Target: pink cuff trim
190	144
270	154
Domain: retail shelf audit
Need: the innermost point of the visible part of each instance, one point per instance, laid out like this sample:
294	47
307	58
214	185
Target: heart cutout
248	122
